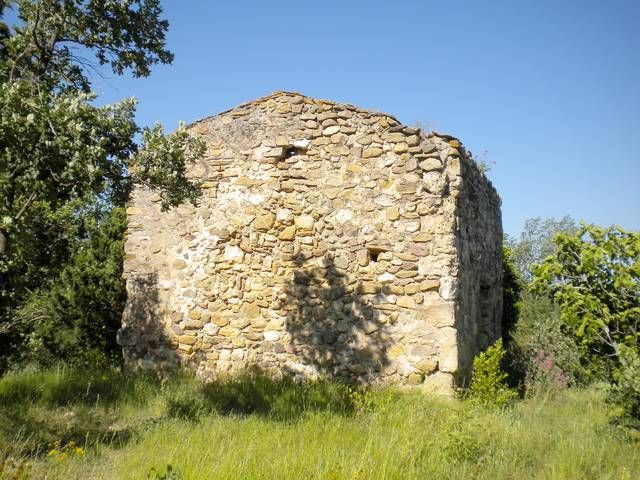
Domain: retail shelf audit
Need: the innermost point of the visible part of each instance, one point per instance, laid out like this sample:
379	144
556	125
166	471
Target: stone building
328	241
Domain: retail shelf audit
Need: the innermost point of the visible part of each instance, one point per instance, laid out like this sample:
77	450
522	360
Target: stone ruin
329	241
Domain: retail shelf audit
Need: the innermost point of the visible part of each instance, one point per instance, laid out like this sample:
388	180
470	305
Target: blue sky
550	90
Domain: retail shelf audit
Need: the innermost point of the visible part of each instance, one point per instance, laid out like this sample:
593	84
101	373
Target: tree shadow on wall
334	330
142	336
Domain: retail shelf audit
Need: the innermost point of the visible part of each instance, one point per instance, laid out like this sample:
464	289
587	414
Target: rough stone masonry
329	241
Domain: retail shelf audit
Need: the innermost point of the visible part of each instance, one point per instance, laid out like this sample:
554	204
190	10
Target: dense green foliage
512	287
579	311
489	380
124	428
545	356
63	157
542	354
626	390
77	314
594	277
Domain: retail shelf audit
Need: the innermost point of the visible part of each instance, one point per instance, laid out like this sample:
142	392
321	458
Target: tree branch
24	207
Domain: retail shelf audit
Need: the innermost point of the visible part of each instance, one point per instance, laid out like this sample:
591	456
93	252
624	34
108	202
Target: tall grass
253	427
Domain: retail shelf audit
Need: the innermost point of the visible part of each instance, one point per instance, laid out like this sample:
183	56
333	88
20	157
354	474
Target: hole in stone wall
374	253
292	151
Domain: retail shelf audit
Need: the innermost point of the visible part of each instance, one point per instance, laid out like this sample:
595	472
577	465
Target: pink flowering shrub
544	374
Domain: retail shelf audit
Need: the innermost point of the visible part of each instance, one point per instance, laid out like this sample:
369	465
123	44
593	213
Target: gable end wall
328	241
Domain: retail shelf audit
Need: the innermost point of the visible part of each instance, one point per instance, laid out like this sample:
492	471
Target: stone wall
328	241
479	273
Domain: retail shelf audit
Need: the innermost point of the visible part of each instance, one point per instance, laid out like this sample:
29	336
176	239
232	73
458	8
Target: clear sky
548	90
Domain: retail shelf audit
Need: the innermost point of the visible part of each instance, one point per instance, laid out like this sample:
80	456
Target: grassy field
69	424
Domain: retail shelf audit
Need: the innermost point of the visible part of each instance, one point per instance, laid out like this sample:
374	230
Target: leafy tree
127	35
60	153
536	243
595	279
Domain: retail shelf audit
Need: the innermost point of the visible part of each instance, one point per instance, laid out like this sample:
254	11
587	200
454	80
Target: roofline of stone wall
465	155
348	106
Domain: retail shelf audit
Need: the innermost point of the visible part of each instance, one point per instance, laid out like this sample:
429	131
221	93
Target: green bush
488	382
75	317
545	356
626	389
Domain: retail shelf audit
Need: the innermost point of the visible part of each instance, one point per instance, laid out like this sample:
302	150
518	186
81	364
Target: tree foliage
626	390
536	243
595	278
43	48
61	154
76	315
511	291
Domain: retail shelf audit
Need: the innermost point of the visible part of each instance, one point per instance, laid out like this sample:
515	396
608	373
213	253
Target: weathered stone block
370	287
439	315
187	339
305	222
264	222
371	152
288	233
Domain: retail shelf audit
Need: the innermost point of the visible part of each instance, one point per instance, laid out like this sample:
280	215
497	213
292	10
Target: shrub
545	373
488	382
75	318
626	390
544	355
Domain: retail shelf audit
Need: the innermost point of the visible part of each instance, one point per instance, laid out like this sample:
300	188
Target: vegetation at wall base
76	315
489	385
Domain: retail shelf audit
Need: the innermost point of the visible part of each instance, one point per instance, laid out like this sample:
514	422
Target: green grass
251	427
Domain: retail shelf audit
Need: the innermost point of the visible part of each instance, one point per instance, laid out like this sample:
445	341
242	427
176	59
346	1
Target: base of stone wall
436	383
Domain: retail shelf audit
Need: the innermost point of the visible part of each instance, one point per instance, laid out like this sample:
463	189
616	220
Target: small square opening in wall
374	253
293	151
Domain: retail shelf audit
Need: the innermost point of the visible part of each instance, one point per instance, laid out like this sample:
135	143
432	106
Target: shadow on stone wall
333	328
145	344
